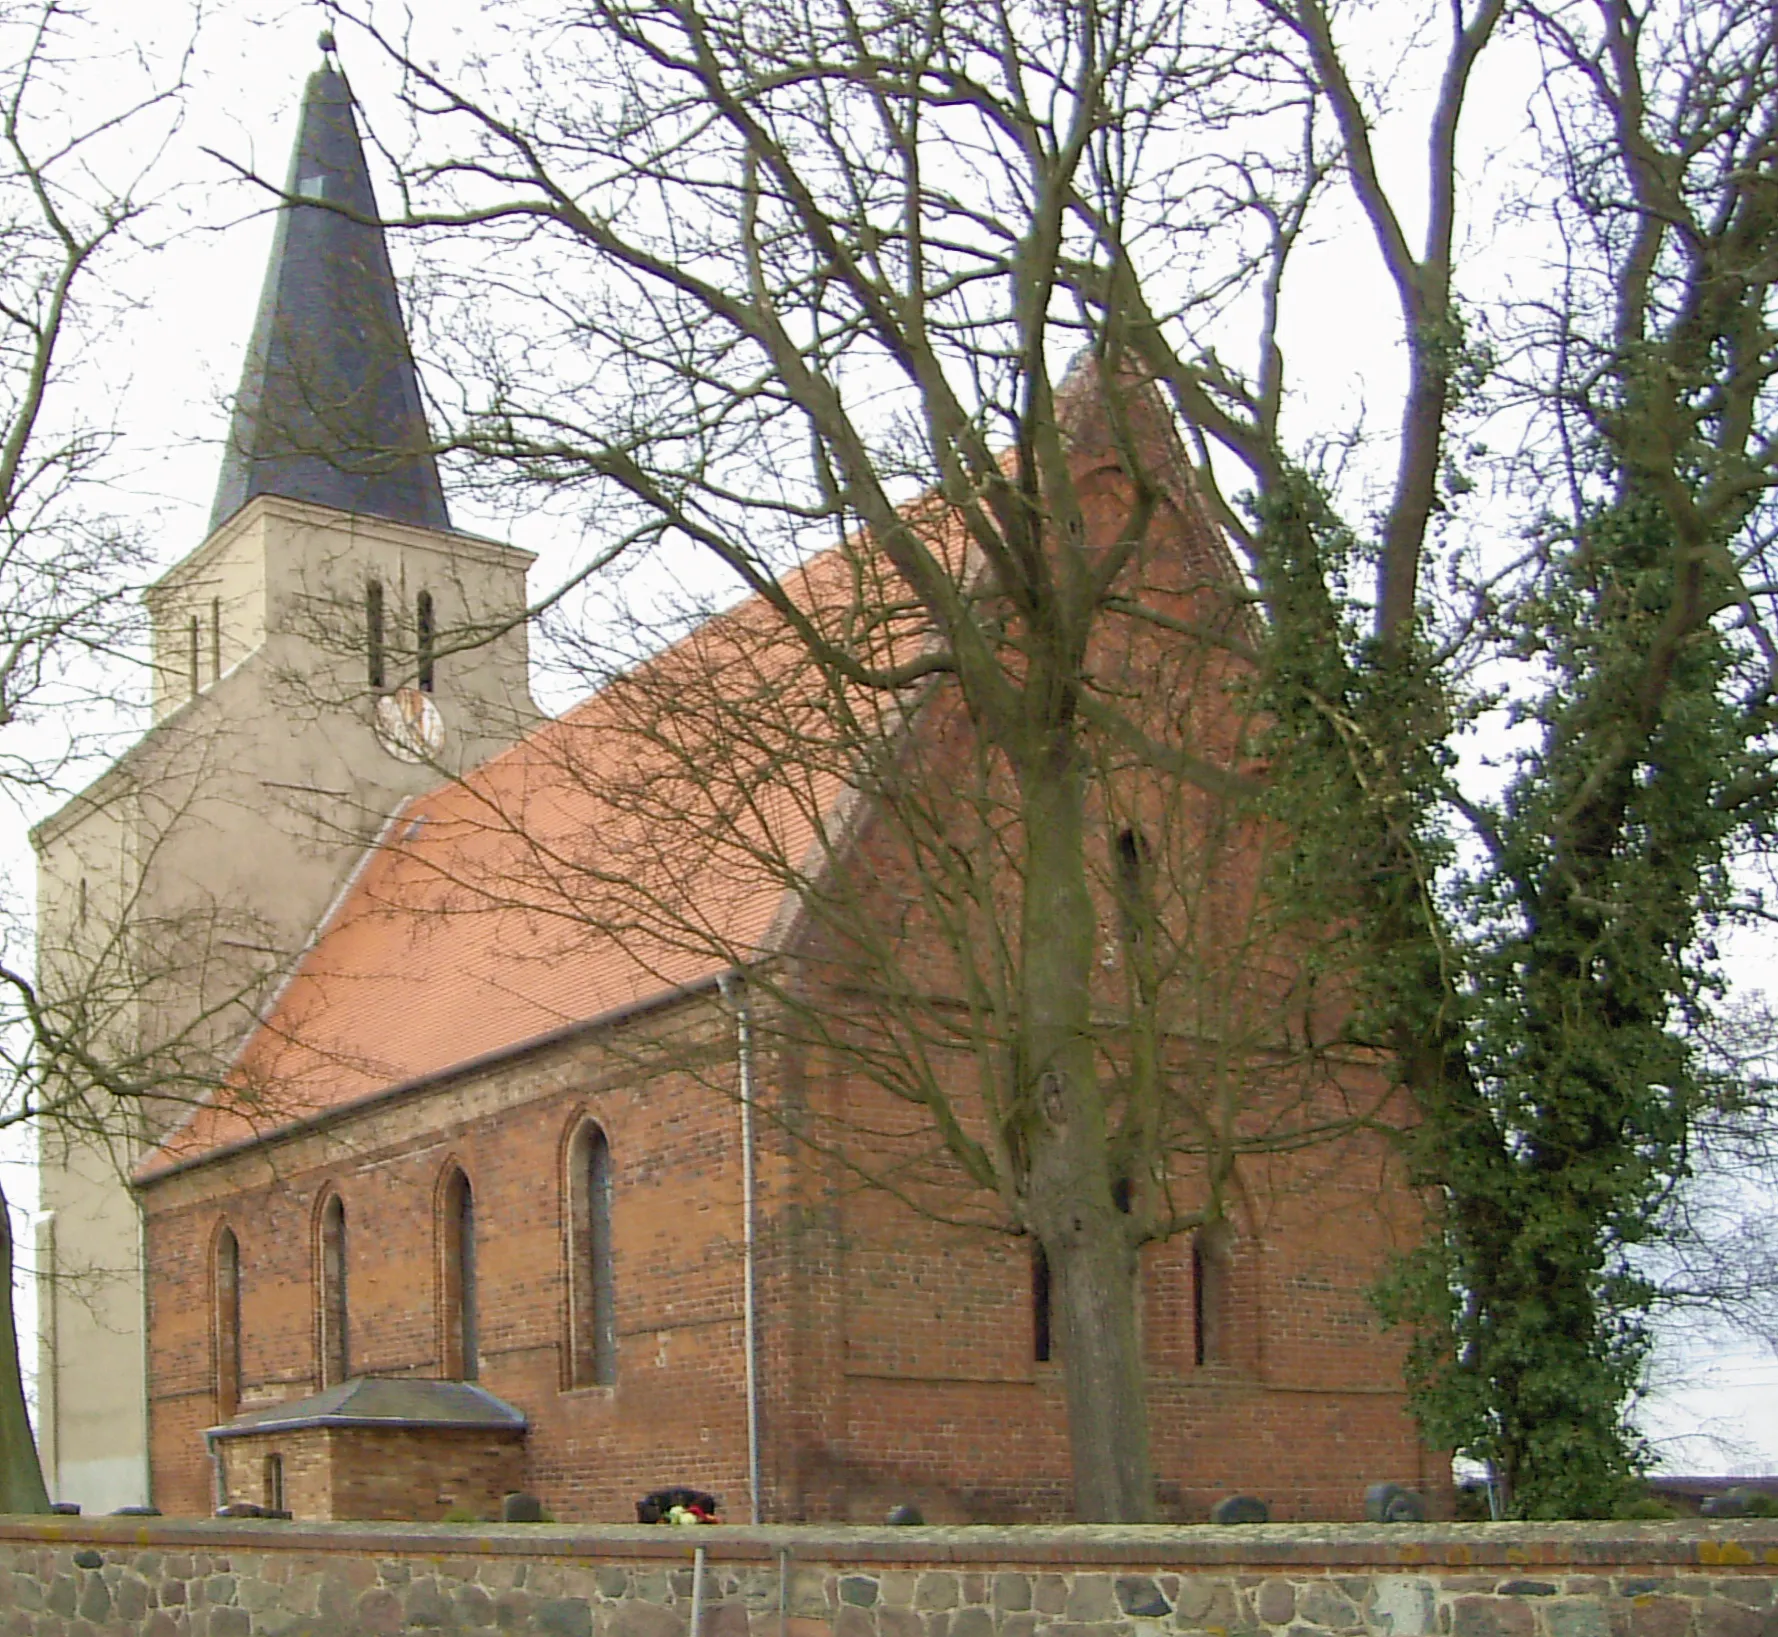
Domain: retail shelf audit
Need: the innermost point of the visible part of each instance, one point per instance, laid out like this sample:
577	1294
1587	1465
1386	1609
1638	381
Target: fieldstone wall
104	1577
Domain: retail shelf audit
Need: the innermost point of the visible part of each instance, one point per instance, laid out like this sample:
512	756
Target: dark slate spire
329	407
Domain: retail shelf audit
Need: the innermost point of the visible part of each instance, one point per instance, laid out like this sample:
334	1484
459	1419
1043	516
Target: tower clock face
410	725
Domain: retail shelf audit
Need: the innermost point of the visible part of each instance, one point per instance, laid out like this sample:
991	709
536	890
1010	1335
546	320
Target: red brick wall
676	1415
895	1351
410	1475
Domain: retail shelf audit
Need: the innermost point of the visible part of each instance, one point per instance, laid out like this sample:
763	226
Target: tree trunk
21	1478
1093	1292
1069	1196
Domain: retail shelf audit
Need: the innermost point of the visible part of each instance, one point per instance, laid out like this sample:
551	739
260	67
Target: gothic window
272	1483
457	1290
1042	1343
373	631
225	1309
425	638
334	1328
592	1315
1210	1296
193	657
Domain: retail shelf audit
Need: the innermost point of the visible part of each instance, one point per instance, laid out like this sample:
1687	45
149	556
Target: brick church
561	1154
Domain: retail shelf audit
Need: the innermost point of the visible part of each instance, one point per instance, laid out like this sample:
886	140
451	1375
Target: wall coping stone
1722	1546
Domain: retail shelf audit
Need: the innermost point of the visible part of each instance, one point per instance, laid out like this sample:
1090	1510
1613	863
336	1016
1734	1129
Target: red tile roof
590	867
503	906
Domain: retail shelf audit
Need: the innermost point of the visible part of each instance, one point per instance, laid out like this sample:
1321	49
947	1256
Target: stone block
474	1606
807	1593
1140	1598
974	1621
564	1617
1576	1617
130	1597
229	1622
219	1589
1659	1616
936	1591
95	1601
859	1590
378	1611
851	1621
1012	1592
1049	1593
1403	1606
1491	1617
728	1619
1205	1604
425	1605
631	1618
1717	1617
1322	1604
1275	1602
1090	1600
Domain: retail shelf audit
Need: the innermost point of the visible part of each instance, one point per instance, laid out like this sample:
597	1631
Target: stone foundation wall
167	1578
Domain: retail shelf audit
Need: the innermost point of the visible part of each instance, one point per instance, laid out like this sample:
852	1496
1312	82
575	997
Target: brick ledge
1746	1545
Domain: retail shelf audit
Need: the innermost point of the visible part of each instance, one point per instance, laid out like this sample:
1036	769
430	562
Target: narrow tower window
425	635
272	1486
373	631
592	1311
457	1308
226	1320
1041	1341
334	1339
215	639
195	683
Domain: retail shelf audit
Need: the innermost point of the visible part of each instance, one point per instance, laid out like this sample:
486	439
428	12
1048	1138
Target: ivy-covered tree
1537	959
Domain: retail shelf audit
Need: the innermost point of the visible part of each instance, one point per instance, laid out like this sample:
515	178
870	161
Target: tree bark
1069	1197
21	1478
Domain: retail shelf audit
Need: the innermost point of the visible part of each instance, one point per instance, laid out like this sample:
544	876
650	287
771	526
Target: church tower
332	648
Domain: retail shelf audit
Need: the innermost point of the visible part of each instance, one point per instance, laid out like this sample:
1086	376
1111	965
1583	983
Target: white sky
177	355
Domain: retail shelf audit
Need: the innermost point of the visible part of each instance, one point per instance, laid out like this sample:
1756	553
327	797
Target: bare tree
72	201
785	268
830	253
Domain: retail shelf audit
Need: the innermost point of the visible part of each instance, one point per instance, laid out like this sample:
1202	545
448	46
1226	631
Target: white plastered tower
175	890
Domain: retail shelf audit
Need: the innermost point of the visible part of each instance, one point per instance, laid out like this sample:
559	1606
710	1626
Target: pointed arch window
459	1348
1042	1339
592	1304
1210	1296
335	1313
225	1307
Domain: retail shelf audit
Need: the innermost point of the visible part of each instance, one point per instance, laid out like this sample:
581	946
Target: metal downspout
735	993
